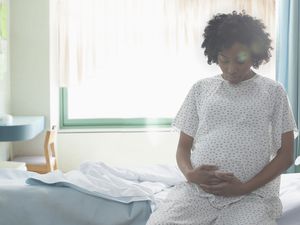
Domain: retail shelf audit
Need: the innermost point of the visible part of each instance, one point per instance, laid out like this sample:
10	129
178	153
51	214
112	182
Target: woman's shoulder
268	81
270	85
263	82
206	82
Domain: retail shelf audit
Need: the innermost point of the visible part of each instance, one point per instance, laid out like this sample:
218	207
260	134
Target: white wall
119	149
34	93
29	64
5	96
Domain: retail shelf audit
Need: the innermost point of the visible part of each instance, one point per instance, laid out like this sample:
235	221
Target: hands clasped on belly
216	182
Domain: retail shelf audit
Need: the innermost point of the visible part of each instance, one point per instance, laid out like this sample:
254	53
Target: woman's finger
223	173
214	187
204	186
208	167
225	176
215	181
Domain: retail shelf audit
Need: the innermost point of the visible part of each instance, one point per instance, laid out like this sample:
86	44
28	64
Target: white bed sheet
23	204
290	197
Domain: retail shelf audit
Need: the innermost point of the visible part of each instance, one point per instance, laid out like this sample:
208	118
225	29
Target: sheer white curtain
138	58
93	34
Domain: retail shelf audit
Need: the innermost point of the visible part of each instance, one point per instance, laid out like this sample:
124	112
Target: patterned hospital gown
237	127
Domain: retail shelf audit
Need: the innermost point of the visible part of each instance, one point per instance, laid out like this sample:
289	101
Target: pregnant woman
236	134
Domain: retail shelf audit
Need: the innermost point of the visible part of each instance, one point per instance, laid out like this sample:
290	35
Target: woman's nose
232	68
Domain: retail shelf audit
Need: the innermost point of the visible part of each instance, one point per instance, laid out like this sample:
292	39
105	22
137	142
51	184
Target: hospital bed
28	199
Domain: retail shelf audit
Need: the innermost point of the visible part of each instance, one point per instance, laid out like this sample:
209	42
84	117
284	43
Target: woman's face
235	63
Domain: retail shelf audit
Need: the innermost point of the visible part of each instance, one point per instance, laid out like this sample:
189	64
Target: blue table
22	128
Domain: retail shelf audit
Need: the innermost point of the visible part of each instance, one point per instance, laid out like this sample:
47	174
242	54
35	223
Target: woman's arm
202	174
183	153
282	161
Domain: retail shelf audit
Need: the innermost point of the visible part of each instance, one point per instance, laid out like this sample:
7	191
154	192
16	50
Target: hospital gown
238	128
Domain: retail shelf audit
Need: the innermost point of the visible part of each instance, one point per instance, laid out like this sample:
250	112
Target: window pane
151	85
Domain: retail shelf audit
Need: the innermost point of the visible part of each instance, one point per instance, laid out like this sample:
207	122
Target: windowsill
115	130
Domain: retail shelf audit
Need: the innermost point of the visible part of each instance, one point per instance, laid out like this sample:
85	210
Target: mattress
52	205
290	197
25	204
96	194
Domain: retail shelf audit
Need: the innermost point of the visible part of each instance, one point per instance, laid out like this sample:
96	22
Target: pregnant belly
231	153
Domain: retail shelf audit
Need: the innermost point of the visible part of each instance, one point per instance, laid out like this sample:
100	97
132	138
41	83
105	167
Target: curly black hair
223	30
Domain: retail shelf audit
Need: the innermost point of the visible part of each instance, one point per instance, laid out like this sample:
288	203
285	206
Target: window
126	63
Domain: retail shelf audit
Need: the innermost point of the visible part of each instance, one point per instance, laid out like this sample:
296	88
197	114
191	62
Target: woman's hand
231	186
205	174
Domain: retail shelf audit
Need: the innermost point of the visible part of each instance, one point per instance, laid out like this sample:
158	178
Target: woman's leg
251	210
184	206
